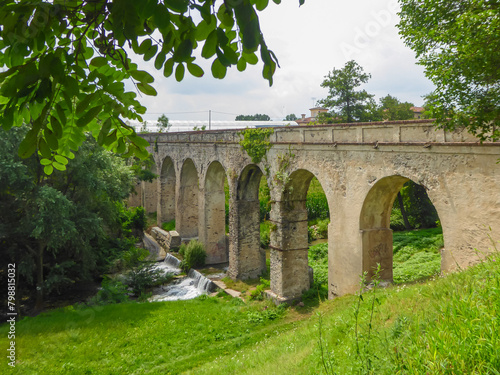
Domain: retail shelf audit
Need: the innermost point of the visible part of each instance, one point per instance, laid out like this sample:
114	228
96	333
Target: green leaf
45	162
250	58
195	70
48	169
56	126
51	139
110	139
98	61
28	145
261	4
138	141
242	64
89	116
180	6
161	17
60	113
147	89
179	72
44	149
143	47
142	76
168	68
120	149
59	166
84	104
151	52
61	159
210	45
183	51
218	70
160	60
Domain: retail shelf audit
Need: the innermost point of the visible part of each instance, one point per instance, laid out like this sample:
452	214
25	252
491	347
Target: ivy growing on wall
256	142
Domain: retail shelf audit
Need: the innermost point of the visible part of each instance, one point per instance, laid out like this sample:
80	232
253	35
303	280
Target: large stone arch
166	201
289	247
374	225
246	258
213	224
187	215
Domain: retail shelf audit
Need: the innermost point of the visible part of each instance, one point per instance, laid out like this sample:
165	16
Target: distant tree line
256	117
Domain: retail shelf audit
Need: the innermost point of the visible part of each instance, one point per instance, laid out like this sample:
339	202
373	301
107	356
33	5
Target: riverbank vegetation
448	325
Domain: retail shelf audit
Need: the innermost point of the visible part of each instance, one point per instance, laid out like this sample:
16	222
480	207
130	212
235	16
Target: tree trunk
403	212
39	279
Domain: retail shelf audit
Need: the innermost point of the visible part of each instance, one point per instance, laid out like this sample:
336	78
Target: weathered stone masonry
361	167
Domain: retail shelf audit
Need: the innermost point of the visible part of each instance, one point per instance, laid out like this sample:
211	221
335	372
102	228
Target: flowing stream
187	287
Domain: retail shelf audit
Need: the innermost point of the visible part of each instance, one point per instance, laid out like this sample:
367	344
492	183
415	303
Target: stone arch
187	215
246	258
289	247
213	228
166	202
374	225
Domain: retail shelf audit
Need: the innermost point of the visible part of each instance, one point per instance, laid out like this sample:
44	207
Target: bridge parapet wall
411	131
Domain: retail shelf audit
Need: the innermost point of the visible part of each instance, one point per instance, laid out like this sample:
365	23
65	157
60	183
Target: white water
188	287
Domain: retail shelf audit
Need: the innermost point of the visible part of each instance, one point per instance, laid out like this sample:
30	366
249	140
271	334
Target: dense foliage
458	42
65	64
256	117
345	101
255	141
65	227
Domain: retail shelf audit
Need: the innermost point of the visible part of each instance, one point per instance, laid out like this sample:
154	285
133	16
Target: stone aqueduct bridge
361	167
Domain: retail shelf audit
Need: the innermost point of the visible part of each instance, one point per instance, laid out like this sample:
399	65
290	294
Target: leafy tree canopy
65	63
54	226
290	117
392	109
344	100
163	123
458	42
256	117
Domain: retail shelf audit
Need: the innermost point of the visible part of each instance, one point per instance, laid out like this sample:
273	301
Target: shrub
136	221
258	292
112	291
194	256
182	249
146	276
265	234
134	256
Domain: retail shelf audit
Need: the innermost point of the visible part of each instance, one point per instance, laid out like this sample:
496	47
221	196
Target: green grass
134	338
168	226
416	254
449	325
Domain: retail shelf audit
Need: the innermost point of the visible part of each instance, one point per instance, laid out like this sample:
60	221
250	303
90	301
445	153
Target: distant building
418	112
314	114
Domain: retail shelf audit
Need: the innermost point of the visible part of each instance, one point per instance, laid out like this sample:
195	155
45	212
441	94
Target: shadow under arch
247	260
290	275
374	225
213	225
186	217
166	203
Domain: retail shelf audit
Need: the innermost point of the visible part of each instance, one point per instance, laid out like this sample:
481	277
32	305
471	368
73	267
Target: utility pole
209	119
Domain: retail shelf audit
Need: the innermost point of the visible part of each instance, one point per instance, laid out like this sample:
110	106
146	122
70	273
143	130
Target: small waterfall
188	287
204	284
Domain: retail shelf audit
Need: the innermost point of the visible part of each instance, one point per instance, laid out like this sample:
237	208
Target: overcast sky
309	42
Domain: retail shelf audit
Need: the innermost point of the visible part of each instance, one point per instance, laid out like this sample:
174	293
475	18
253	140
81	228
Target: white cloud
309	41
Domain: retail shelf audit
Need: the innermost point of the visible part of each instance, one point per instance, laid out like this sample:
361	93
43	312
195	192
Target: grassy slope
449	325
